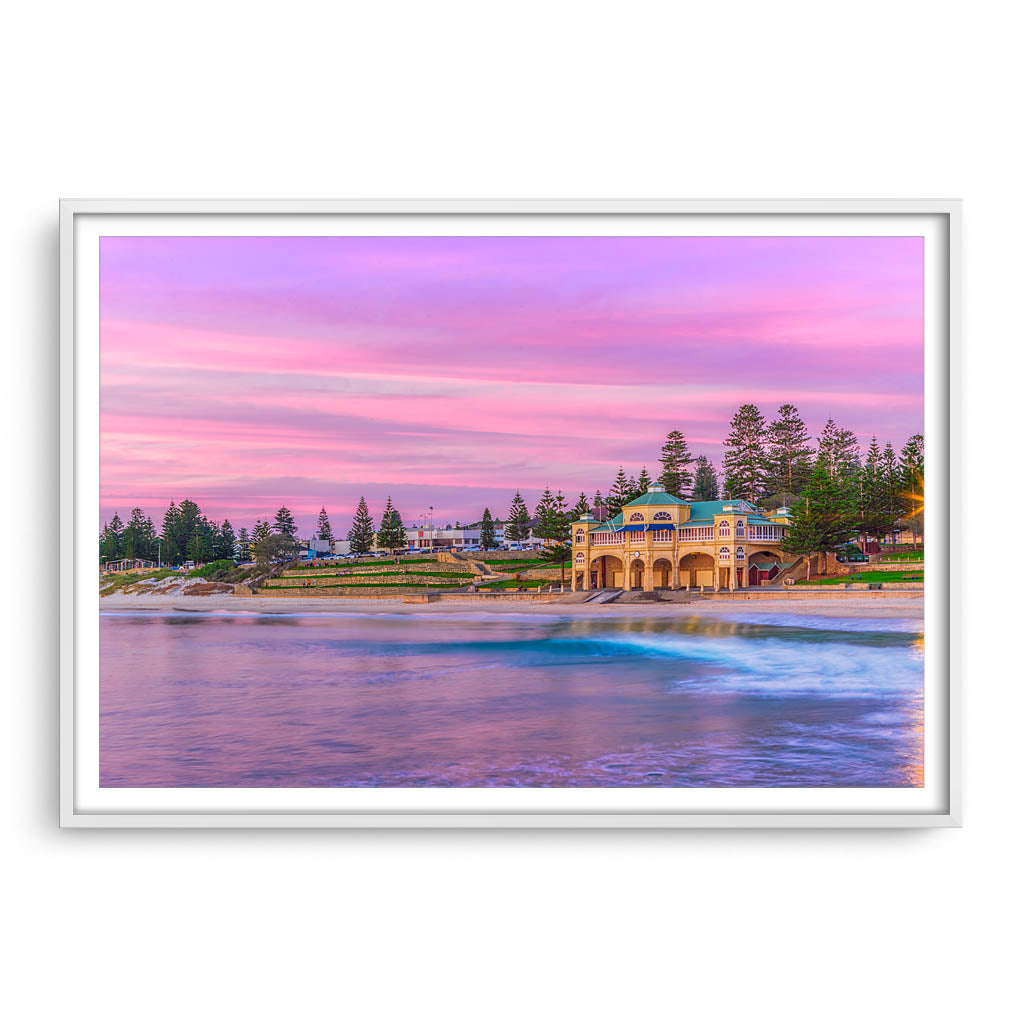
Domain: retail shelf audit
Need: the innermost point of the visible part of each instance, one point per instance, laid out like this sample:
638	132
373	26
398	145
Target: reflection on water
485	699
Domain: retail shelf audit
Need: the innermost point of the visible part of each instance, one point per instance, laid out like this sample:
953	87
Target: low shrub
213	571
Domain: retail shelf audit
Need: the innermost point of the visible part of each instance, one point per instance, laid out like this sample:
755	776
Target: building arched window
723	554
579	556
739	552
660	517
636	517
723	528
739	528
579	536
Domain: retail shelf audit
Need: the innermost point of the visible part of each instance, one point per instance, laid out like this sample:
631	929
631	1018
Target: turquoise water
490	699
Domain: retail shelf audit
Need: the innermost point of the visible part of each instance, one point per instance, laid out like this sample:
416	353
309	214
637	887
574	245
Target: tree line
834	494
187	534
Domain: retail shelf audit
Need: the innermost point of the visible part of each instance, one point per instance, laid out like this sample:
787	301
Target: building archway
697	570
606	571
636	574
662	572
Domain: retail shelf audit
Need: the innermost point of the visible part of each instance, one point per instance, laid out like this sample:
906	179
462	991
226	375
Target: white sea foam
783	666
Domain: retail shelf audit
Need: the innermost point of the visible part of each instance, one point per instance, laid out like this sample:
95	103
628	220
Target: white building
427	538
314	548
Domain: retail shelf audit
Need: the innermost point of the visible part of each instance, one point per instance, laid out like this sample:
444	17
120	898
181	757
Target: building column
732	577
627	575
648	576
675	573
586	577
574	576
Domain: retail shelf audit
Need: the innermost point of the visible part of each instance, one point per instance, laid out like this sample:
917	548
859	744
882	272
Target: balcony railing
685	534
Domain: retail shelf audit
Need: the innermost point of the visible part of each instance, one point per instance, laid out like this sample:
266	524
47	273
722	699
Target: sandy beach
852	608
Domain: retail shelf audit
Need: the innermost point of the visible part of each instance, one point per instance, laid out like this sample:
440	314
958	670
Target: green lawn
514	584
353	586
354	575
526	563
901	556
870	576
389	561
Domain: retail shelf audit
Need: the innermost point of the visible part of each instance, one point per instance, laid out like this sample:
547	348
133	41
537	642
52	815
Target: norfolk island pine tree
361	535
323	529
391	535
825	517
284	522
675	462
744	462
487	534
516	526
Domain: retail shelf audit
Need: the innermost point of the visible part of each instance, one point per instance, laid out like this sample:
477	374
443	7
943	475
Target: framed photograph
509	514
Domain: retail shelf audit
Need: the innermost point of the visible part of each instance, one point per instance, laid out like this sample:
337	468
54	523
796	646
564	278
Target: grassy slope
514	584
378	572
354	586
869	576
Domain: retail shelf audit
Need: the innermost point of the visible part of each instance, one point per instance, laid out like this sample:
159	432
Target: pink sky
246	373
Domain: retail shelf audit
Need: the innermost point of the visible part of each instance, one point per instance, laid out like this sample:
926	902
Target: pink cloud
250	372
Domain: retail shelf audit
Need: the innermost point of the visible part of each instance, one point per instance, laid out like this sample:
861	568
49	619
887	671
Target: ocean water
480	698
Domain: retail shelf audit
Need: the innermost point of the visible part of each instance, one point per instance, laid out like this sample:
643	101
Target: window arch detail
723	528
636	517
723	554
660	517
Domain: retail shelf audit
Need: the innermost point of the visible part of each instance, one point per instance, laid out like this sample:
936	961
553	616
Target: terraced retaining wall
895	567
352	592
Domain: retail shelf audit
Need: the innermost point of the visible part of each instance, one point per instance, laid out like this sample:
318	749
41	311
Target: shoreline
901	607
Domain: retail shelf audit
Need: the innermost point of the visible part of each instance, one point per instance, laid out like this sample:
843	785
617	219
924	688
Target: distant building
341	547
427	538
903	533
128	565
314	548
659	540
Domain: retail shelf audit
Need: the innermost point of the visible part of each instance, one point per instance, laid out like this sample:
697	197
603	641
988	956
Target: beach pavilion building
660	541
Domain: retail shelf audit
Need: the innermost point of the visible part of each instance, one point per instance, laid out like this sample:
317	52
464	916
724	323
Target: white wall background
528	99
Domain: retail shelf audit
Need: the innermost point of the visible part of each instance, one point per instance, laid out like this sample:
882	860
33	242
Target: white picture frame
81	223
